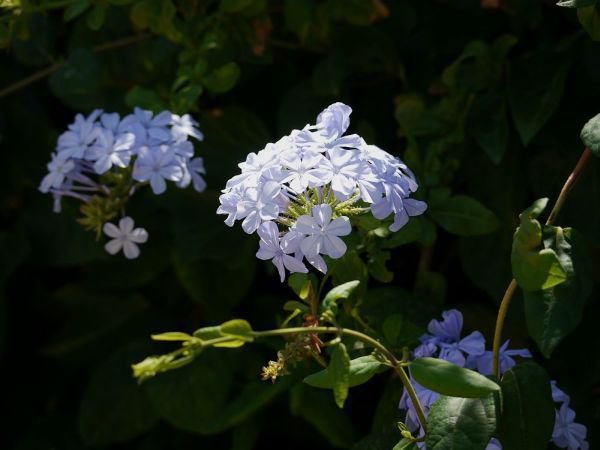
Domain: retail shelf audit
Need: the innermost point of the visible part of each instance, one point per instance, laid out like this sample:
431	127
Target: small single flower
110	150
345	168
305	171
484	362
558	395
58	169
184	126
272	248
494	445
472	345
323	233
333	121
148	129
157	164
81	134
125	237
258	205
568	434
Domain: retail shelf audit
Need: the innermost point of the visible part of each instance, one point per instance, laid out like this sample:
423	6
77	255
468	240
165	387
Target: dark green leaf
194	397
95	18
114	408
232	6
534	267
555	312
489	126
339	373
78	81
463	216
461	423
317	408
144	98
589	17
76	8
449	379
527	409
535	90
222	79
237	328
361	370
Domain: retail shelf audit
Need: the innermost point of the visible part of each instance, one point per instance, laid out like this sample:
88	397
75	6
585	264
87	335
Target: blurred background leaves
484	100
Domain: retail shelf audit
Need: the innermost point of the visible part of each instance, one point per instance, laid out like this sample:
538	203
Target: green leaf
532	267
361	370
527	409
339	373
341	292
590	135
489	125
77	82
461	423
233	6
377	266
317	408
463	216
449	379
172	336
589	17
301	284
405	444
222	79
114	408
210	333
95	18
76	8
576	3
144	98
194	397
555	312
237	328
535	90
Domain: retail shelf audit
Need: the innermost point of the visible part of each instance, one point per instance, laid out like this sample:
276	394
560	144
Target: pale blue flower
272	248
148	129
157	164
494	445
110	150
484	363
58	169
305	171
558	395
184	126
568	434
258	205
81	134
124	237
322	233
333	121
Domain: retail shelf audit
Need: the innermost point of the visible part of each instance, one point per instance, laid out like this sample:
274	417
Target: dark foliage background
481	98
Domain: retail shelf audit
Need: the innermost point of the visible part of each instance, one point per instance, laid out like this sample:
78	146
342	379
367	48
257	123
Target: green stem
397	365
512	287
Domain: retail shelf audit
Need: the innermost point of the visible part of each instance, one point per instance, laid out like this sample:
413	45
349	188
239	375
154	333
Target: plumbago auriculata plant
305	192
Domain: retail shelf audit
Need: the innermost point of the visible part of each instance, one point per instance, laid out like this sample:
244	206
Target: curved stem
510	290
397	365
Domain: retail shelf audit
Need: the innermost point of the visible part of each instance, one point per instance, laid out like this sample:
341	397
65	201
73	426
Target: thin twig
123	42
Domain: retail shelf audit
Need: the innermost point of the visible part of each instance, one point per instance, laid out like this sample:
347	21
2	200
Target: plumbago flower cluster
103	159
299	192
444	341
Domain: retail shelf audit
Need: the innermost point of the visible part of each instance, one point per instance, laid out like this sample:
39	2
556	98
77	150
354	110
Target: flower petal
111	230
131	250
113	247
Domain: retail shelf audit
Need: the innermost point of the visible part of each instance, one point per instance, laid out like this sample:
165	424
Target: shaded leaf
463	216
449	379
361	370
527	408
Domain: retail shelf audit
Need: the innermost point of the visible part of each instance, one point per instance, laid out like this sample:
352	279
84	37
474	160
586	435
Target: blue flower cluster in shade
444	340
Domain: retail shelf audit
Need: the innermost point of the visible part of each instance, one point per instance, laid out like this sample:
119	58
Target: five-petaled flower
125	237
272	248
322	233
